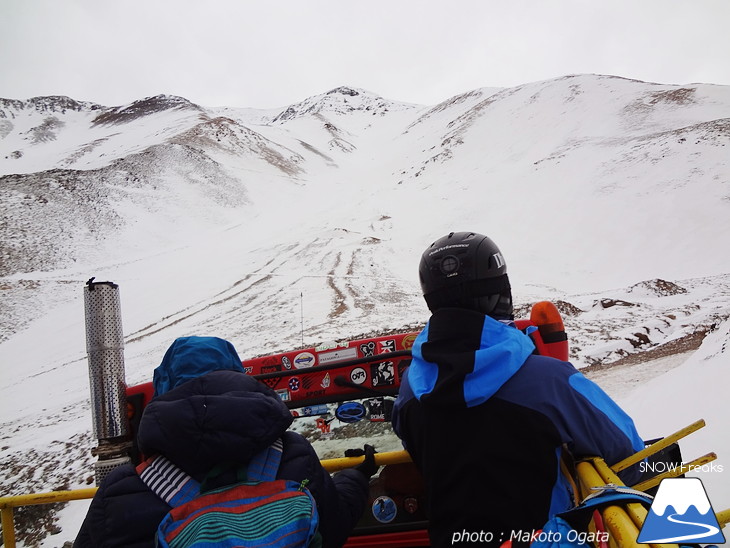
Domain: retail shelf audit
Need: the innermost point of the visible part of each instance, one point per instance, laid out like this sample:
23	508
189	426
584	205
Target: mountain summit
341	101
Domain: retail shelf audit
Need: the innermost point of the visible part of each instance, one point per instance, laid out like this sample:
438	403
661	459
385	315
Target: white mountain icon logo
681	512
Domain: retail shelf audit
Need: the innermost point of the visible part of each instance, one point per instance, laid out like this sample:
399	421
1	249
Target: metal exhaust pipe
105	351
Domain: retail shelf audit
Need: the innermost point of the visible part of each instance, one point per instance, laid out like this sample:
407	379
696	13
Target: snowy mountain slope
610	143
307	222
575	145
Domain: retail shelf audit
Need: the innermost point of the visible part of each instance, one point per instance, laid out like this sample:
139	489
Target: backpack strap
265	465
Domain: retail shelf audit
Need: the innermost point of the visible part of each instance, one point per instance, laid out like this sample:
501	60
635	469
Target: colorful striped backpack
260	511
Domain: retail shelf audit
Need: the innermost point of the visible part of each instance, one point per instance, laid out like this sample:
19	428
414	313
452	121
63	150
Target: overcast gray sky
273	53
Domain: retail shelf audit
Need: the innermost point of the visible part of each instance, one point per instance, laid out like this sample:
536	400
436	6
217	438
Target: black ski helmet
466	270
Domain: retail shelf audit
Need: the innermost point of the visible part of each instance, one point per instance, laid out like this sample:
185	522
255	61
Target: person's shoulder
538	367
118	474
294	438
543	384
539	379
297	446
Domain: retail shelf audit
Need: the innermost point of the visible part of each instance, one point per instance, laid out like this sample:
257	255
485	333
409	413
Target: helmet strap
458	295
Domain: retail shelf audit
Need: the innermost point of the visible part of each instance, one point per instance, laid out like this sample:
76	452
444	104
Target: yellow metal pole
8	503
8	527
606	472
381	459
634	510
587	477
596	473
620	527
723	518
47	498
658	446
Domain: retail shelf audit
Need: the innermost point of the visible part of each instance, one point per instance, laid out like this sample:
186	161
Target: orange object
546	317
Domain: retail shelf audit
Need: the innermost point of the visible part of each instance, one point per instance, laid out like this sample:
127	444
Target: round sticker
408	341
358	375
305	359
384	509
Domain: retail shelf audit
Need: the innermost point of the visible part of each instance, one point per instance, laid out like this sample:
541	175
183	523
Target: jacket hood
463	357
190	357
222	416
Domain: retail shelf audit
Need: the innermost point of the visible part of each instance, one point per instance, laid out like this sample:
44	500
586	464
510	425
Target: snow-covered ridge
342	100
9	108
142	108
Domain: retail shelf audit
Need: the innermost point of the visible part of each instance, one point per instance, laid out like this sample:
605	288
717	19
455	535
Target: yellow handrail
47	498
8	503
381	459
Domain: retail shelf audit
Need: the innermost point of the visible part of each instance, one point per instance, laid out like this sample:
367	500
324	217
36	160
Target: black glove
367	467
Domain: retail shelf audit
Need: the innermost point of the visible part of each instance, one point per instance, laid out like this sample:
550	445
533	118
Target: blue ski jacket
487	421
220	417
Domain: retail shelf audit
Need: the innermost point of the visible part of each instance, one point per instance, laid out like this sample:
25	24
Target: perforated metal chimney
105	351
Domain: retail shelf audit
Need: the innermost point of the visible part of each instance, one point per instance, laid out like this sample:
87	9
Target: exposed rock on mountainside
28	244
230	136
142	108
661	288
10	108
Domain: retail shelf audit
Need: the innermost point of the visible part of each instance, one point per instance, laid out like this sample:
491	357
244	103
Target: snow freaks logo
681	512
678	468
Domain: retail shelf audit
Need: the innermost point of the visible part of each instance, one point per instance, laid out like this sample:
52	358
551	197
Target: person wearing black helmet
487	420
466	270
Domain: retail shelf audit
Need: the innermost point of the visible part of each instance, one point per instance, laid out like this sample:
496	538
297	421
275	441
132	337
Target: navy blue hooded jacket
222	416
486	421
